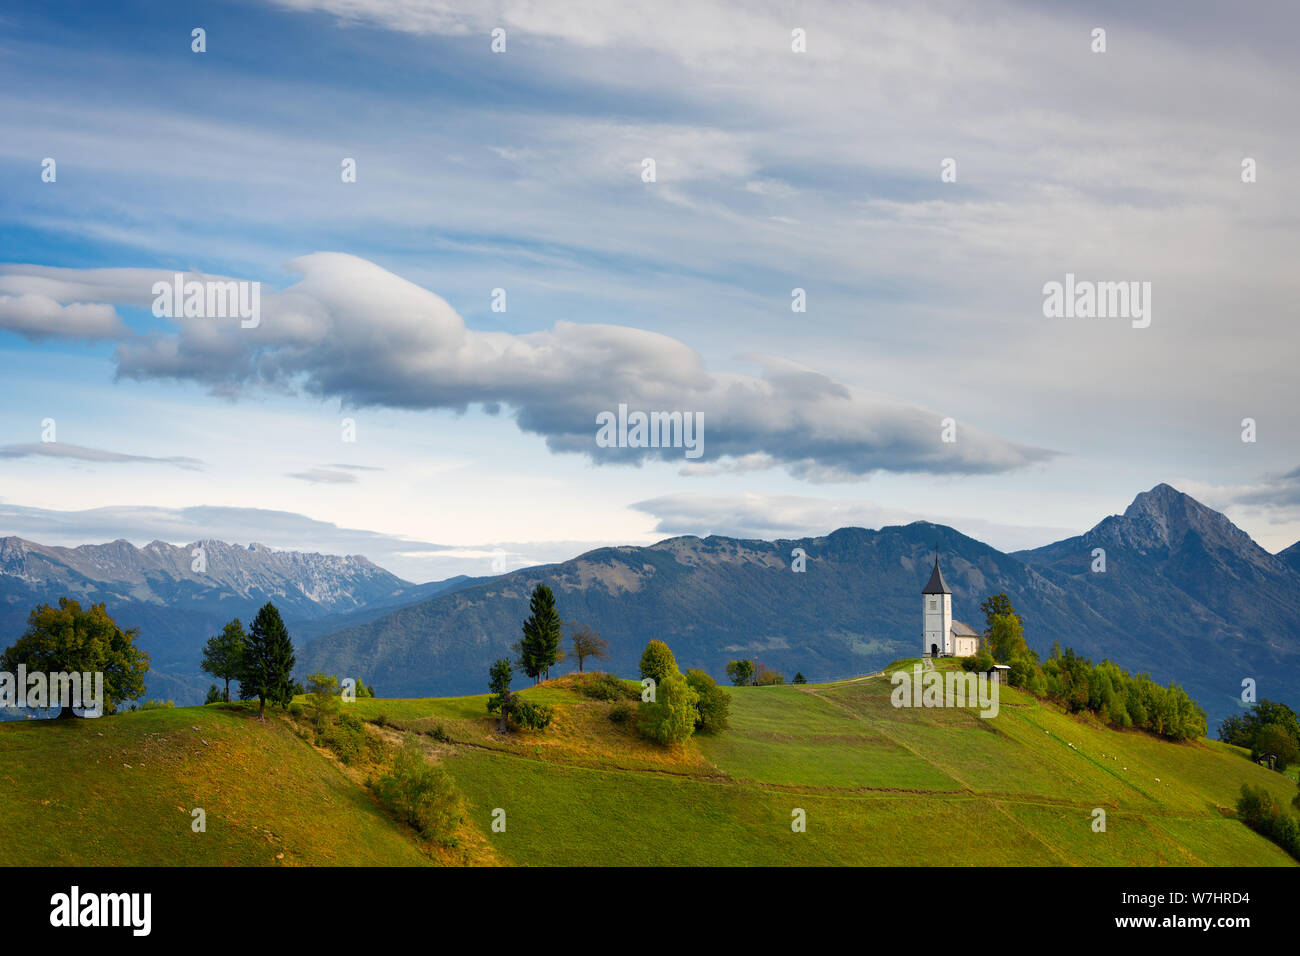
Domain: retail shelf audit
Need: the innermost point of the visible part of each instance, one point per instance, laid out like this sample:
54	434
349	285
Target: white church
942	636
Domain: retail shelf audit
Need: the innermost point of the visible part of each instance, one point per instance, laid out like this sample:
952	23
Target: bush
438	733
421	794
714	703
606	687
530	715
346	737
766	677
622	712
157	704
1259	811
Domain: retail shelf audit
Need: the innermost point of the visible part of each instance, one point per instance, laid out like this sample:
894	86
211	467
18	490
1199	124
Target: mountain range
1184	595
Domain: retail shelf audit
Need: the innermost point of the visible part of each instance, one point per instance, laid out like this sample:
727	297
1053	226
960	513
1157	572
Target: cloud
98	455
793	516
326	476
353	331
38	317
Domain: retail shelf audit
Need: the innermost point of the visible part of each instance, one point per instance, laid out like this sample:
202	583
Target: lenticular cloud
353	331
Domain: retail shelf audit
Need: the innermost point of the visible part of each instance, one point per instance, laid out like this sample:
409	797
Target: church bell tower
936	611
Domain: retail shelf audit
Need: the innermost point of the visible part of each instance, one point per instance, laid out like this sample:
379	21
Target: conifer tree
267	672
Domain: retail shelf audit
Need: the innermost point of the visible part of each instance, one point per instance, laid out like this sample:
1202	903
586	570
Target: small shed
1001	673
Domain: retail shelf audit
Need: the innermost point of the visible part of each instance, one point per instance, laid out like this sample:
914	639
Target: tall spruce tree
543	631
267	671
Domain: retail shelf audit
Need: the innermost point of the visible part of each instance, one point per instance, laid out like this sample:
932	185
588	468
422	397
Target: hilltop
879	785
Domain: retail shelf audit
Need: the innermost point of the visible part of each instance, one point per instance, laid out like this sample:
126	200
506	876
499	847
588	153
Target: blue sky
521	170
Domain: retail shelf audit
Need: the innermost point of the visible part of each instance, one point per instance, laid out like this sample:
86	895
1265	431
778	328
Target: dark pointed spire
936	584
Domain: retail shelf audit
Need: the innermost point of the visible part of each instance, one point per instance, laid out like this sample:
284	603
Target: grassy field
877	785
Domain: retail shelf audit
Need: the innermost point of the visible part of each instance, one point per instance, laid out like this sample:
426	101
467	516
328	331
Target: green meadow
876	785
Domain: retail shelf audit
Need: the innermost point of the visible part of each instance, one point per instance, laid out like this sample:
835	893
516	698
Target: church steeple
936	584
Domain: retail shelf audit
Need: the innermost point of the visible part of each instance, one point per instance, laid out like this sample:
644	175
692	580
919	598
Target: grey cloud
38	317
351	330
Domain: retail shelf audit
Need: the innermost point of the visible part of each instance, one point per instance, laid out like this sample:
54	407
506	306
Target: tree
714	703
587	643
1274	742
657	661
741	672
1006	637
995	605
510	705
501	697
671	718
223	653
214	695
799	678
540	648
764	676
323	698
66	639
268	660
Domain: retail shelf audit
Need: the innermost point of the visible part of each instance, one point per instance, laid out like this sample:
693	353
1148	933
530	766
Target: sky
439	335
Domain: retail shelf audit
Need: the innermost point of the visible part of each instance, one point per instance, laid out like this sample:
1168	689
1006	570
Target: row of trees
1105	689
751	673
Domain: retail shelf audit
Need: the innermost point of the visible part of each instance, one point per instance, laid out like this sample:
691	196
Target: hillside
880	786
1187	596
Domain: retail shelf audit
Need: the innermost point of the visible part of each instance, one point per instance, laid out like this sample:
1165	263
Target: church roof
936	584
960	629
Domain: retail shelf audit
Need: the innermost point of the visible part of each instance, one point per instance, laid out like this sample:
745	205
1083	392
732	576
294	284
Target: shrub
157	704
606	687
766	677
346	737
714	703
438	733
622	712
1259	811
530	715
421	794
